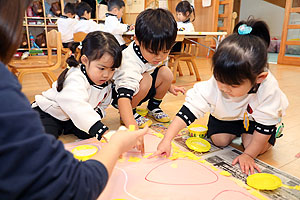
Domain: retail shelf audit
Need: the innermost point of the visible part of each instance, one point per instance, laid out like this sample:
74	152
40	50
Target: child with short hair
112	21
142	75
242	96
66	23
85	24
184	10
77	100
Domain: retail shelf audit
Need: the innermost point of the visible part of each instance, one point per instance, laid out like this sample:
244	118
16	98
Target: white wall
273	15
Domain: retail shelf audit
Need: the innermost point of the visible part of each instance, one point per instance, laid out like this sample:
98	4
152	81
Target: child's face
99	71
235	90
181	17
120	12
151	57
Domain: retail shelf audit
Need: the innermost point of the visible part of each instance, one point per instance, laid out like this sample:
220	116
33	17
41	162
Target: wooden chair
78	37
186	55
41	64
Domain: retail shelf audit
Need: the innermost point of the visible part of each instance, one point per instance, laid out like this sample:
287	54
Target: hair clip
244	29
68	67
80	45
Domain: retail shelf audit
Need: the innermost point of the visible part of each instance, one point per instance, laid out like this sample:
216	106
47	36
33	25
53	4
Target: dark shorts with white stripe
236	128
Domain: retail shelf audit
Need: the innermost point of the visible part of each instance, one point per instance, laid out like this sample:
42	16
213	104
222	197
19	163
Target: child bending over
112	23
142	76
77	100
242	96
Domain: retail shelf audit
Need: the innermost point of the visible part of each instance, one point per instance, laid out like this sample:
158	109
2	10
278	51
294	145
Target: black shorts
56	127
151	93
236	128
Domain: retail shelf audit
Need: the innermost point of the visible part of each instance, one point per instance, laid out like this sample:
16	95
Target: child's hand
163	149
126	140
174	90
131	27
246	163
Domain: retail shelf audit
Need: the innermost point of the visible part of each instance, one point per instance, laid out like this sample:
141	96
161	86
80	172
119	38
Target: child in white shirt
184	11
112	23
77	100
66	23
85	24
142	75
242	96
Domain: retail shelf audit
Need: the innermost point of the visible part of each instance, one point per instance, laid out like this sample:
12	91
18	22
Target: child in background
142	76
66	23
85	24
184	10
242	96
36	164
112	23
77	100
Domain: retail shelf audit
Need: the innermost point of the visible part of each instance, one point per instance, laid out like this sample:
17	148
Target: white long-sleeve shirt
114	26
268	104
87	26
185	26
79	100
65	25
133	65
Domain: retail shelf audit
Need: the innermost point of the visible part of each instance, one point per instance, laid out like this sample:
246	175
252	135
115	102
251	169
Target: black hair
240	57
94	46
82	7
69	8
156	29
11	27
185	7
115	4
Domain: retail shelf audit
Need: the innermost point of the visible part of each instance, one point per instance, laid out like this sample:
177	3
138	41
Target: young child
77	100
85	24
184	10
112	23
243	97
66	23
36	164
142	76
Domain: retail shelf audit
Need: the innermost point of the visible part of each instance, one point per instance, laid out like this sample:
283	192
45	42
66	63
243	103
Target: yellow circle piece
197	130
264	181
198	144
84	152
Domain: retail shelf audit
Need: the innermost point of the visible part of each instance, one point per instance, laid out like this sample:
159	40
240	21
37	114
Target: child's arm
258	145
127	117
120	142
164	147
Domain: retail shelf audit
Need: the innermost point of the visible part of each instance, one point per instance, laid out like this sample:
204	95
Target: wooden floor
281	156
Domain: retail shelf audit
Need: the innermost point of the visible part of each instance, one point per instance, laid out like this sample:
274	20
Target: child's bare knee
166	74
220	140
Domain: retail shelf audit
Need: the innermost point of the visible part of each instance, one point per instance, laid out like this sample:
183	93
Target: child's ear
84	60
261	77
136	41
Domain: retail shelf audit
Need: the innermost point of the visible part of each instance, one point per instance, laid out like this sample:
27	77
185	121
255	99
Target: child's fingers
235	161
257	168
157	153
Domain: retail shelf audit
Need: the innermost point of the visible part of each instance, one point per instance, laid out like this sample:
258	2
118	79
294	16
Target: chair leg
179	70
190	68
175	70
48	78
196	70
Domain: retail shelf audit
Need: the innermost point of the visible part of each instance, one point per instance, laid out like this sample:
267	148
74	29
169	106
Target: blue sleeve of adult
34	165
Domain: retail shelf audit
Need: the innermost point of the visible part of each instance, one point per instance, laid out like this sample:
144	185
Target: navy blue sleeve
34	165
